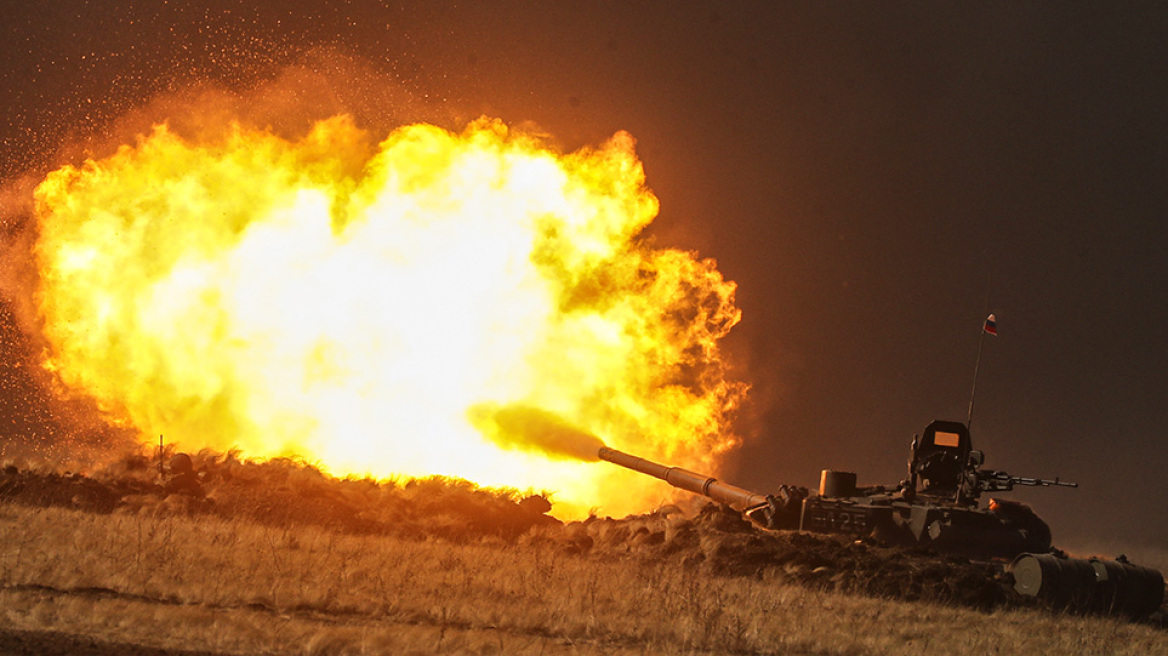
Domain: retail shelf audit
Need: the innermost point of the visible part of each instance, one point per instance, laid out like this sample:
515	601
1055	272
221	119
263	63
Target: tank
938	506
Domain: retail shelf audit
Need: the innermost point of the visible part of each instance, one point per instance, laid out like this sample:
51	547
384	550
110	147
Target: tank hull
967	531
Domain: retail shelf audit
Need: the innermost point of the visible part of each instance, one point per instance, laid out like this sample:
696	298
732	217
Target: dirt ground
53	643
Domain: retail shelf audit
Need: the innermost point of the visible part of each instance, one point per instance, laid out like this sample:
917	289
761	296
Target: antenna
990	326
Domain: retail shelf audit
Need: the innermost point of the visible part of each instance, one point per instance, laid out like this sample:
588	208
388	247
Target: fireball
358	306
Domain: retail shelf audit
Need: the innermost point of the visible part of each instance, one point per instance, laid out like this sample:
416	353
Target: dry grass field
158	576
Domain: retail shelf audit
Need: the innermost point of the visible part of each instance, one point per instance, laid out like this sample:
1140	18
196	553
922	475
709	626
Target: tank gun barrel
685	479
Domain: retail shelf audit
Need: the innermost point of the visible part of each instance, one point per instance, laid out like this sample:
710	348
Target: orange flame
352	305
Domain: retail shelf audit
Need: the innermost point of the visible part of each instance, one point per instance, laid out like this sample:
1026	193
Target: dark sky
865	171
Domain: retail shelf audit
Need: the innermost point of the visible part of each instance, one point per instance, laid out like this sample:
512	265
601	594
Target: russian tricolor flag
991	325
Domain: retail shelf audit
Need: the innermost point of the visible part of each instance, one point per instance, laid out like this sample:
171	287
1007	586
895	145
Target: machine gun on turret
990	480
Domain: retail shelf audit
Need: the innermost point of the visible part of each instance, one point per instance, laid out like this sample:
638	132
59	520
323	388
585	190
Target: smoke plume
519	426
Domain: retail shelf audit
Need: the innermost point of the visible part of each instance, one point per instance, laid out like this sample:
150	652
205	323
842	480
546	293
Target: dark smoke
527	428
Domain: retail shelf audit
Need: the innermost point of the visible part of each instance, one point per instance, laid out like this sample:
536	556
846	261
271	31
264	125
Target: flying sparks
353	304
